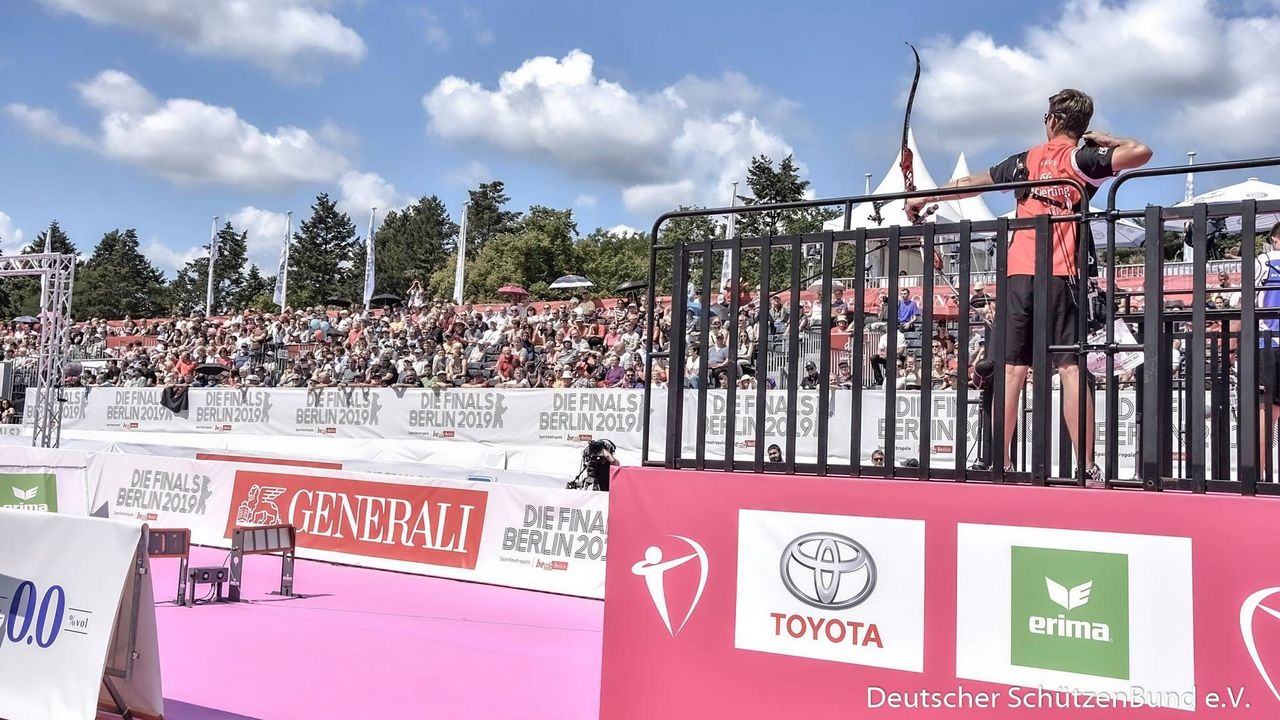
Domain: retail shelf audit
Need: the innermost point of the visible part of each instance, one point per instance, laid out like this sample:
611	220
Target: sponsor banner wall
736	595
61	582
512	417
520	536
44	480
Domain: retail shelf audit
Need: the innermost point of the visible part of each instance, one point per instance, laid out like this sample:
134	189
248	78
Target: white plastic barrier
62	582
520	536
43	480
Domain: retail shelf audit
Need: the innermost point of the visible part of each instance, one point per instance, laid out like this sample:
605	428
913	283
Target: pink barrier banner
745	596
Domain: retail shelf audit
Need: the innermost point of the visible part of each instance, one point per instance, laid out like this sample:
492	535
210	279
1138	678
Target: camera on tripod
597	461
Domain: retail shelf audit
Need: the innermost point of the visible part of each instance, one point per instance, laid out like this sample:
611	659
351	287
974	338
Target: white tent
971	208
893	213
1251	189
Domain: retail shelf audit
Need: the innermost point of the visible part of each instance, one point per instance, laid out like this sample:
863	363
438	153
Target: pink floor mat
372	644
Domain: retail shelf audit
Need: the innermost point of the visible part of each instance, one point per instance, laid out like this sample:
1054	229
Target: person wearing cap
812	379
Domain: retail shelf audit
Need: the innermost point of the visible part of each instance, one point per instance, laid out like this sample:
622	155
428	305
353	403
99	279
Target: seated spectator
518	380
811	379
908	311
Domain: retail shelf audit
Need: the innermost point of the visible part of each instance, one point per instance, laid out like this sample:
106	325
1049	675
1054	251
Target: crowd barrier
522	536
745	596
547	429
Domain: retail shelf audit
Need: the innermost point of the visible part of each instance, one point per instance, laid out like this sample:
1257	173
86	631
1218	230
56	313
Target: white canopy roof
971	208
893	213
1251	189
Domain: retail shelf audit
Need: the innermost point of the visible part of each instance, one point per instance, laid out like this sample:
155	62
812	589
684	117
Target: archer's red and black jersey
1058	158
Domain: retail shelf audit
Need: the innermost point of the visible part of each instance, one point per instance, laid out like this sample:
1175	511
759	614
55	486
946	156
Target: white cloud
284	36
46	124
188	141
437	37
470	175
680	145
115	92
622	231
659	198
482	34
1206	75
364	190
168	259
585	201
10	237
265	230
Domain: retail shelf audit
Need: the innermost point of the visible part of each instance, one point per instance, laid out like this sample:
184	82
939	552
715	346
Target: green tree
190	286
486	218
413	244
256	292
769	185
610	259
783	184
534	254
118	280
322	259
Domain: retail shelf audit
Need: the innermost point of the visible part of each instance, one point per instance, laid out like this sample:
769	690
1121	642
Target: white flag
369	260
282	273
213	259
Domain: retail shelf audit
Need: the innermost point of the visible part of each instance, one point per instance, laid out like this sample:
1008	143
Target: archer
1101	157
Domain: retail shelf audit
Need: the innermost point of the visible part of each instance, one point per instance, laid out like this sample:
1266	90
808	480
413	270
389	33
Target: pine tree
322	259
118	280
255	292
485	217
190	287
412	245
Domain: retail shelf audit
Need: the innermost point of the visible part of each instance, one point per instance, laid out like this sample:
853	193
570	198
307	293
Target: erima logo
1060	626
26	494
1077	596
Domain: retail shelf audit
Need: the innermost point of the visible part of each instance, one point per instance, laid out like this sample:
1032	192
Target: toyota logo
828	571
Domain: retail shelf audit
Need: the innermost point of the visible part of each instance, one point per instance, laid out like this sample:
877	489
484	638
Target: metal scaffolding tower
57	275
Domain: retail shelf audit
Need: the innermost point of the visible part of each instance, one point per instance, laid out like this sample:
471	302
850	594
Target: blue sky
160	114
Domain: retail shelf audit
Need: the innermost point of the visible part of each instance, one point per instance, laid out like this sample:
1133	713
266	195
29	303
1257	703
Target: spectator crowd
438	344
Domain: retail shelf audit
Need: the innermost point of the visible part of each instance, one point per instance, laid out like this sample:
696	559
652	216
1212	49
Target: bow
907	164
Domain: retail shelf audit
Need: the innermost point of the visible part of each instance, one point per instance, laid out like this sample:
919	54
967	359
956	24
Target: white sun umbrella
569	282
1129	234
1251	189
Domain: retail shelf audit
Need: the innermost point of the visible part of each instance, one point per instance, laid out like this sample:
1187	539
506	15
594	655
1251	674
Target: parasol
569	282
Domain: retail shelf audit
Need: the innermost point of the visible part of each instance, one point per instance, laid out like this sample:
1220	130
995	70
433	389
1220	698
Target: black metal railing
756	416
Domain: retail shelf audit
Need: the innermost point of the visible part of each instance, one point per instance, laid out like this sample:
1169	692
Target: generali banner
520	536
740	596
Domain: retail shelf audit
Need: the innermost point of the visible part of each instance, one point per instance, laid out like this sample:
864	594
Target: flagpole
369	260
213	259
459	274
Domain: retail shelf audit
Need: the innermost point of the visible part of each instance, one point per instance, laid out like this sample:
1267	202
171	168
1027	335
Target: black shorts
1021	325
1269	374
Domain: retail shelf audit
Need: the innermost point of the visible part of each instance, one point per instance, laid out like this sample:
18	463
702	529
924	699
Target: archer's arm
1126	153
916	205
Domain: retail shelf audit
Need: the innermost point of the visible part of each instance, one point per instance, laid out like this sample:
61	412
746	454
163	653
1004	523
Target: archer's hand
914	207
916	210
